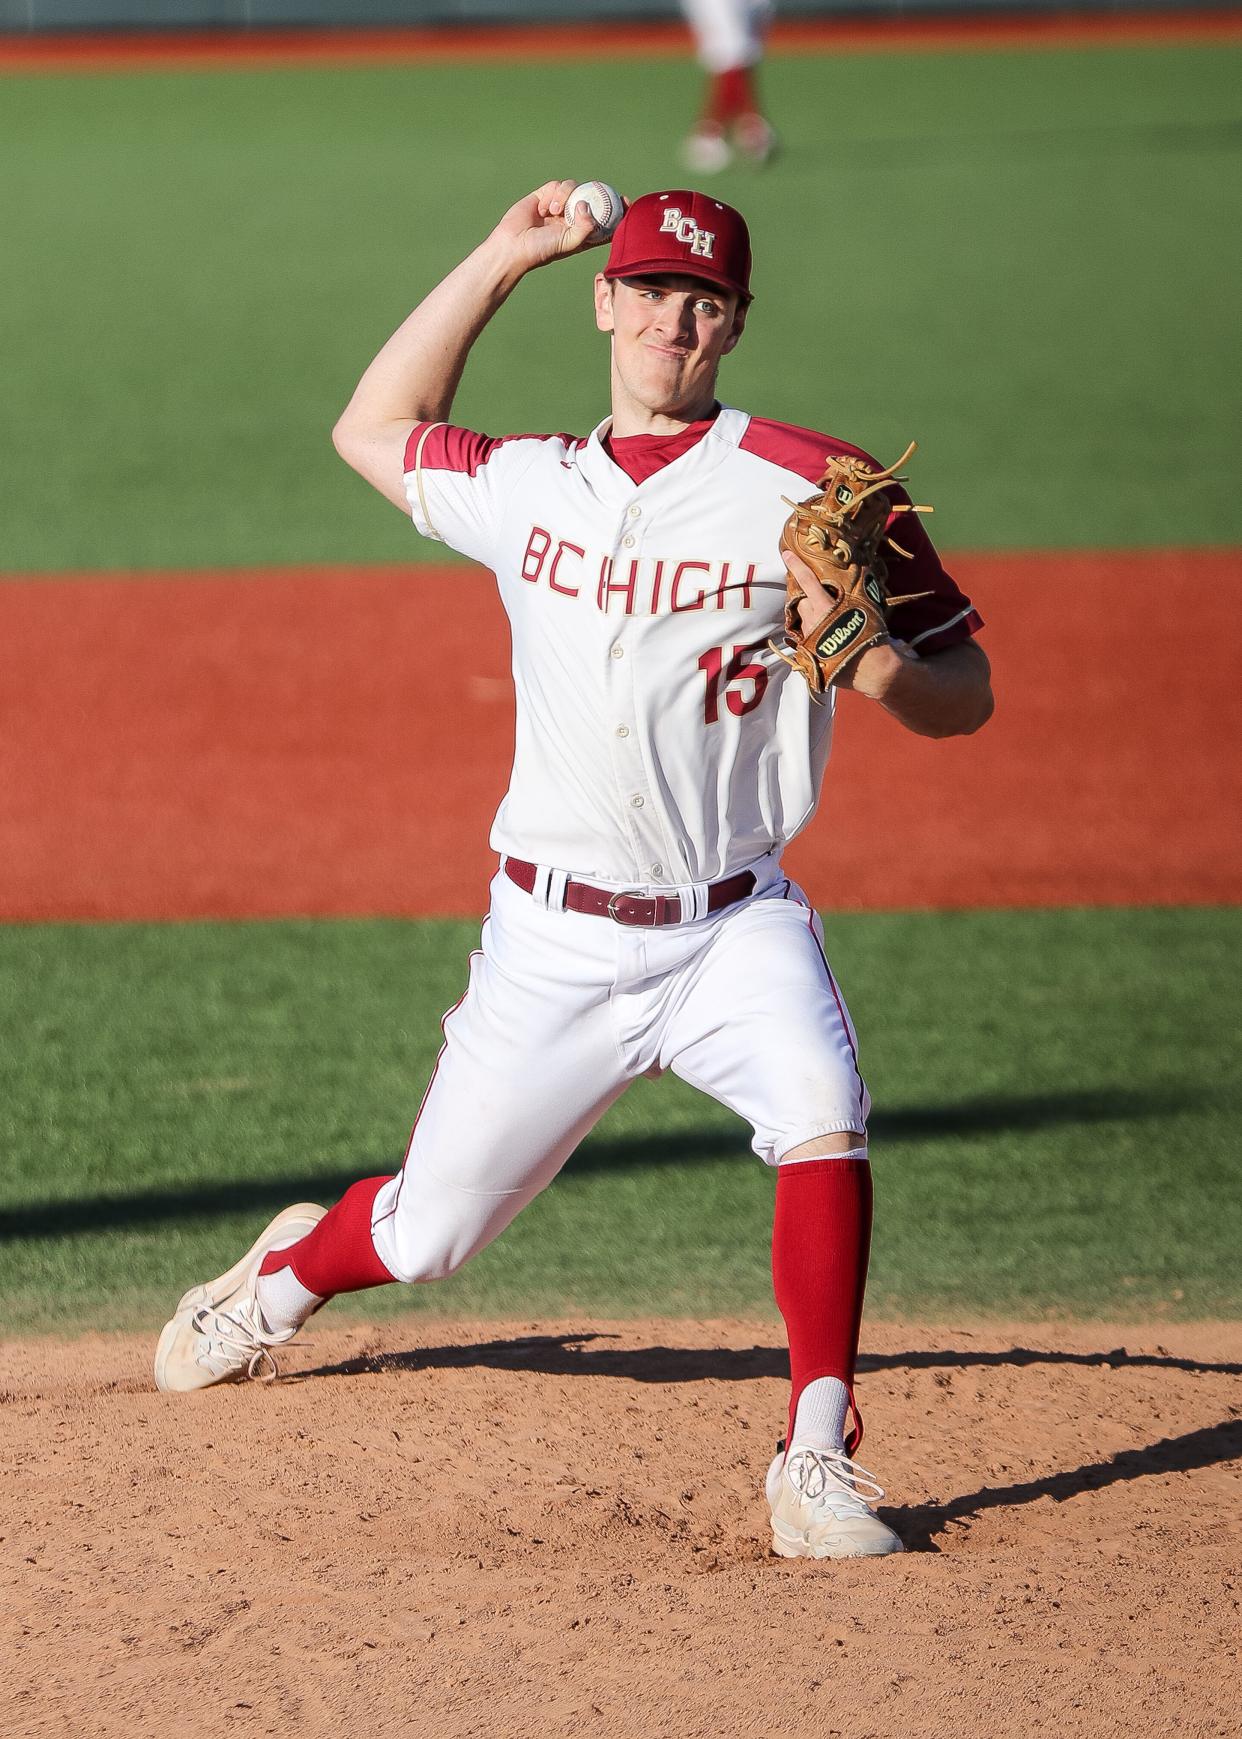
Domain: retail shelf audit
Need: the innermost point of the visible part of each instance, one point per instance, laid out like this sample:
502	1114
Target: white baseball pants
564	1009
728	33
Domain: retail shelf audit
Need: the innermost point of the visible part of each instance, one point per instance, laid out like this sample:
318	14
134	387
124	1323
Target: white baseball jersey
660	741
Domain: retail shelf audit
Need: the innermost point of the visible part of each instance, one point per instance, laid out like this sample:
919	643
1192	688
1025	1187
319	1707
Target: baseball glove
839	531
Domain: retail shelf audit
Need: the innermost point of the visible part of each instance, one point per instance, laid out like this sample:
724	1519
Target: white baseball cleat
706	151
756	138
819	1509
217	1333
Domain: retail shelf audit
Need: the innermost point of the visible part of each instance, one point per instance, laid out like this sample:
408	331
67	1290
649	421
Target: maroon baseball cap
691	234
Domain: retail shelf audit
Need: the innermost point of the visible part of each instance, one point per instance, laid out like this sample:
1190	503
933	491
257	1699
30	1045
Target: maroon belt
627	908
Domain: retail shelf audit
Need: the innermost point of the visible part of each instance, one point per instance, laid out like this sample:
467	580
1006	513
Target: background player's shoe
756	138
217	1333
819	1510
706	150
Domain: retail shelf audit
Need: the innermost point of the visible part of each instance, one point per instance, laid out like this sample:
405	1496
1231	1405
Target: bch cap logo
700	241
684	233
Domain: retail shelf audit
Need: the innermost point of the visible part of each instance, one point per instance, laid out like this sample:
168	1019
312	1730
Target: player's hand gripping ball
604	203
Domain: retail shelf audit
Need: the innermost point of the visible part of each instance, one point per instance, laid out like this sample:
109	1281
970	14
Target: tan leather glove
839	531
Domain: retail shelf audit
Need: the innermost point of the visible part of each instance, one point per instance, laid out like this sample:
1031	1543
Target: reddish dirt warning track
325	742
225	50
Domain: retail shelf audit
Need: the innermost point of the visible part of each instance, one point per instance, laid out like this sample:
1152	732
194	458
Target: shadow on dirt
602	1153
920	1525
584	1355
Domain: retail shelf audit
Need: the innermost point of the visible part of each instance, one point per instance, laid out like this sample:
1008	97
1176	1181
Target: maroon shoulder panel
805	451
450	448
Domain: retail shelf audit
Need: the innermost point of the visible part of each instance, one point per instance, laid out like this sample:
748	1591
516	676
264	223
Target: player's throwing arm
414	378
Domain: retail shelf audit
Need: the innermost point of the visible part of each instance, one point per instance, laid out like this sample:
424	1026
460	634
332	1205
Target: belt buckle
627	894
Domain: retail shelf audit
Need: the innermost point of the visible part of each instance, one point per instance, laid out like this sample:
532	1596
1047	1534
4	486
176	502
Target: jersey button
636	802
618	651
623	730
627	542
657	872
635	511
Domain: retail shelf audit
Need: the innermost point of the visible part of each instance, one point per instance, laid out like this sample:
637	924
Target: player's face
668	336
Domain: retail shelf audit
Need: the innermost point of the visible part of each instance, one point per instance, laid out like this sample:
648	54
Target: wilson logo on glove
839	637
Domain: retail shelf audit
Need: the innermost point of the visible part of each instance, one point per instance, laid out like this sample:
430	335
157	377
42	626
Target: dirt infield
555	1529
282	742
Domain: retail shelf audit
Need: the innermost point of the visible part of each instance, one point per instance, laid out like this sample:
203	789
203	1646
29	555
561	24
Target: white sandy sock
819	1422
284	1300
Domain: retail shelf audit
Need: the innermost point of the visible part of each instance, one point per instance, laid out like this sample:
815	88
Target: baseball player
728	37
639	919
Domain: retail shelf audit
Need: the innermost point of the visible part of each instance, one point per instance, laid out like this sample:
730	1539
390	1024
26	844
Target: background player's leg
729	40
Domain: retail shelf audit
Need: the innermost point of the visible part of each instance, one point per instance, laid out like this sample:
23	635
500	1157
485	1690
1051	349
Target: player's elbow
960	711
980	707
347	440
972	702
376	455
969	712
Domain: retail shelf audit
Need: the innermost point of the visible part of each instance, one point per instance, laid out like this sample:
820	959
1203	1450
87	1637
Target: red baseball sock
821	1238
339	1255
730	94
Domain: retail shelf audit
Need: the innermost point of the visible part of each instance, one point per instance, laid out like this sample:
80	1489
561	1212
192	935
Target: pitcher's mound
556	1528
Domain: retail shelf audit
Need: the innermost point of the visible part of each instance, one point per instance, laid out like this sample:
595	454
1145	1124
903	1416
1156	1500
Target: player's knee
436	1227
415	1259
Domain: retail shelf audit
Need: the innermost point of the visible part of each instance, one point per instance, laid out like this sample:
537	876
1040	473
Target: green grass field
1023	260
1055	1129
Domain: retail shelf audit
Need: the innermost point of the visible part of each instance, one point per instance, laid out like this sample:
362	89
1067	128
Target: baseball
607	206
